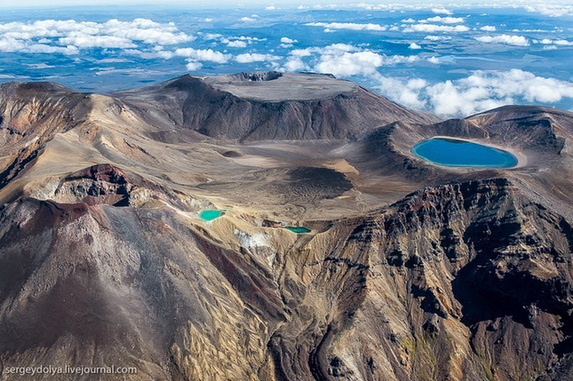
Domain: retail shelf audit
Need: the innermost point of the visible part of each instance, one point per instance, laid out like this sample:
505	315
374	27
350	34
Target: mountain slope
269	106
421	290
31	114
409	271
435	285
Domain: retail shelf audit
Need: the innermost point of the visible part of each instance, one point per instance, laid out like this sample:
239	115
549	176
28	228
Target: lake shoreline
518	154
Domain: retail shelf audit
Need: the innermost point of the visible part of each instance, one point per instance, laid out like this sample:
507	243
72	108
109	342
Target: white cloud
505	39
482	90
442	11
403	92
248	19
399	59
286	40
129	71
227	40
434	60
551	10
194	65
39	66
488	28
86	41
68	36
202	55
295	63
210	36
347	63
270	8
346	60
414	46
13	46
437	38
113	60
532	30
447	99
445	20
255	57
432	28
146	31
249	38
342	60
301	52
236	44
560	42
349	26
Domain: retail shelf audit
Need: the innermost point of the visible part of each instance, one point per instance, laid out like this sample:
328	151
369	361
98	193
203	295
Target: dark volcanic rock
102	183
267	106
510	289
305	184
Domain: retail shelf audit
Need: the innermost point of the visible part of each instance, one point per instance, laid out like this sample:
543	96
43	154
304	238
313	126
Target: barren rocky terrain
410	271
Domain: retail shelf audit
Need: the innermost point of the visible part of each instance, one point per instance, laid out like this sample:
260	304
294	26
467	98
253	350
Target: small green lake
298	229
210	215
462	153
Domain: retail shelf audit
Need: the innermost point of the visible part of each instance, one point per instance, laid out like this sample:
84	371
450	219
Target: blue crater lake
461	153
298	229
210	215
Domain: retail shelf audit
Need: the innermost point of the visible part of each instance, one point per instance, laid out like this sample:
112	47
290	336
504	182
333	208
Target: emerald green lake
298	229
461	153
210	215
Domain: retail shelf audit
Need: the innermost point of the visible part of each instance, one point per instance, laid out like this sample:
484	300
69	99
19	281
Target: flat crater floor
282	87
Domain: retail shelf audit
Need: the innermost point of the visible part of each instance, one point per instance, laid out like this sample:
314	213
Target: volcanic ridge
400	269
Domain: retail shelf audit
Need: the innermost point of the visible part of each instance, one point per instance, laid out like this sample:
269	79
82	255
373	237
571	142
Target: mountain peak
270	106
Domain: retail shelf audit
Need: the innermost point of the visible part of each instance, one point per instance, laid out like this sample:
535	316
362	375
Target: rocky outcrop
467	281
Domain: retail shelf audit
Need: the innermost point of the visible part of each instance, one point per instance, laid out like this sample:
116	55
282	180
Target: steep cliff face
467	281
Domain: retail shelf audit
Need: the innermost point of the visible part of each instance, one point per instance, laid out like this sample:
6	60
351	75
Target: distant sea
449	61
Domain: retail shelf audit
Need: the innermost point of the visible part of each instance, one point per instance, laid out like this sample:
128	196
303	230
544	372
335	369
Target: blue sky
448	59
